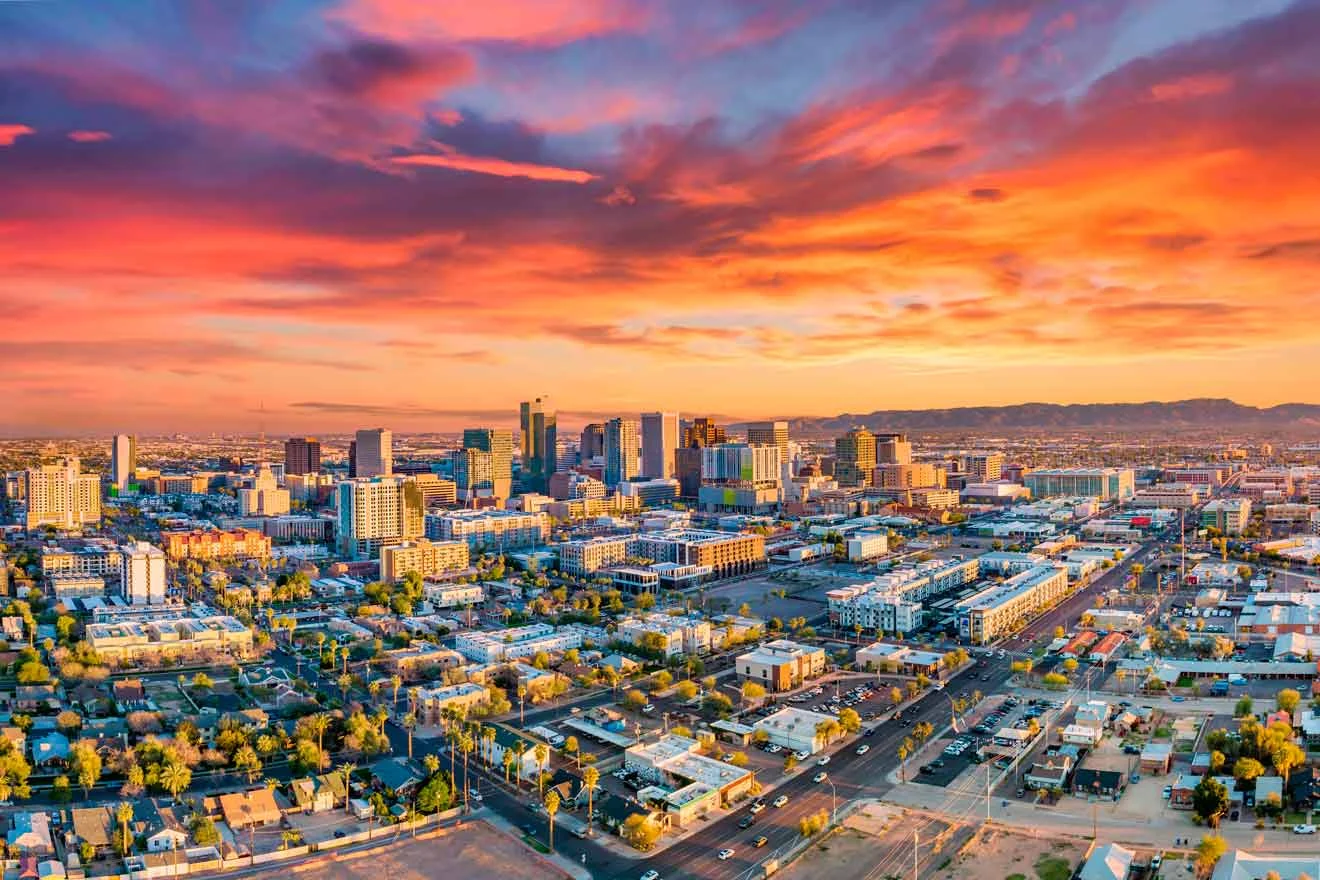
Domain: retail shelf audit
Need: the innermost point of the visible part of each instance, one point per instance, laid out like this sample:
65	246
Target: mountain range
1170	415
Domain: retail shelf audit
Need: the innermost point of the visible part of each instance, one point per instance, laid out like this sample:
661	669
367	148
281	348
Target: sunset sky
415	213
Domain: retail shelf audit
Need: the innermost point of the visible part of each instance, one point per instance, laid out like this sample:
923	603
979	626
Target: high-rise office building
539	433
621	451
659	440
373	454
769	434
593	442
893	449
740	463
61	495
703	432
499	443
377	511
983	467
854	457
473	474
687	468
302	455
123	460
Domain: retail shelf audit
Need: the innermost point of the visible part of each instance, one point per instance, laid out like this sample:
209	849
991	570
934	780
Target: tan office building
854	458
62	496
781	665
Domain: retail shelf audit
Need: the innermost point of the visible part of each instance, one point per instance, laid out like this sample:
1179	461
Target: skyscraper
773	434
854	457
123	460
659	440
61	495
703	432
374	453
499	443
621	451
593	442
893	449
377	511
302	455
472	474
536	421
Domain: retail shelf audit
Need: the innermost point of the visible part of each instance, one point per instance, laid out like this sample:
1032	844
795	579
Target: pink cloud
9	134
83	136
542	22
498	167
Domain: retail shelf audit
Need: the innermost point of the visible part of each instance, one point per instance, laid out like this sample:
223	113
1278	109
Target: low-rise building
689	784
235	544
524	641
586	557
723	553
795	729
449	595
671	635
496	529
781	665
1228	515
426	557
431	702
175	637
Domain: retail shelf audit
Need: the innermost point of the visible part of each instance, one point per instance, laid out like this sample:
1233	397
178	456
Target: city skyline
376	212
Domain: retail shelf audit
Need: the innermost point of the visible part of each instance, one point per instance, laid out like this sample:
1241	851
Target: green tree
551	808
1243	708
86	766
1208	853
640	832
1287	700
1210	800
436	795
175	778
59	790
246	761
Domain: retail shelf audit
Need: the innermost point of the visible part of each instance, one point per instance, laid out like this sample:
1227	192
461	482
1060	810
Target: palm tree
318	724
432	764
508	762
467	744
590	777
409	722
320	647
904	750
124	816
518	751
174	779
345	682
522	695
542	754
488	737
374	689
552	807
347	769
396	682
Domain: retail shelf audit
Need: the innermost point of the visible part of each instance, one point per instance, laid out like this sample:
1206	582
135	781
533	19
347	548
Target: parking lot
961	752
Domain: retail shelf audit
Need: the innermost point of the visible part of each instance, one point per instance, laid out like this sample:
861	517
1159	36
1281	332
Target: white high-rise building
621	451
123	460
142	573
740	463
374	453
659	440
378	511
61	495
264	497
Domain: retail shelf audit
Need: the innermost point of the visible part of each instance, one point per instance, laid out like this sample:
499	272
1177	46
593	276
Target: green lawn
1016	877
1053	868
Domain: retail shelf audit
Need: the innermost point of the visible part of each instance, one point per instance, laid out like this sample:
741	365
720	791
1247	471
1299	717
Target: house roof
254	807
1239	864
396	773
1107	862
92	824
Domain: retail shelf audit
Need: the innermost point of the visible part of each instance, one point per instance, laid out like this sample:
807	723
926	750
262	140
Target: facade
740	463
373	453
539	441
781	665
175	637
704	432
76	586
865	546
908	476
497	443
681	635
653	492
454	595
983	467
688	785
622	448
1229	515
893	449
264	497
235	544
61	496
586	557
592	444
313	529
723	553
496	529
426	557
123	460
431	702
1175	496
795	729
772	434
996	610
1107	484
659	440
376	511
523	641
893	601
854	458
474	474
302	455
90	560
142	574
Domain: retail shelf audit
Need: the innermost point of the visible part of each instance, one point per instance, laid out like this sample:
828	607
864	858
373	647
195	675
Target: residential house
31	834
1104	783
1180	795
509	740
51	748
1238	864
318	794
129	694
159	826
17	738
253	808
1093	714
1108	861
399	775
1267	786
94	825
1156	758
1201	763
1053	773
30	697
1304	788
1133	719
1081	735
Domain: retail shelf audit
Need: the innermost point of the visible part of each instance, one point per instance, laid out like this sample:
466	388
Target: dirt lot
474	850
996	854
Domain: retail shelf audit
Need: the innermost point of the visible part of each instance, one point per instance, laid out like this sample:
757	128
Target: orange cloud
529	21
496	167
9	134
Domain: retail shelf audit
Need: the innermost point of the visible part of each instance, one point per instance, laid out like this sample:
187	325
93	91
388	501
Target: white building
264	497
996	610
377	511
581	558
494	529
795	729
681	635
142	573
524	641
454	595
865	546
893	601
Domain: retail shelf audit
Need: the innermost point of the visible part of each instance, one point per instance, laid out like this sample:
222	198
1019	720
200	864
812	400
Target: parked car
1303	829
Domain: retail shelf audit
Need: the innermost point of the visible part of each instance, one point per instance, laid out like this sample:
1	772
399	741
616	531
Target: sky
326	214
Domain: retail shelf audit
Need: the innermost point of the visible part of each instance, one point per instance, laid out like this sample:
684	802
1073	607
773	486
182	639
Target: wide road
853	776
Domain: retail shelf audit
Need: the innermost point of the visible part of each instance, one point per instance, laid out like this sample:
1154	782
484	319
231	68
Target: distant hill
1173	415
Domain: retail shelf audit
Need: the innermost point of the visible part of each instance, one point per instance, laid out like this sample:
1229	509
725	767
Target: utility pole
915	839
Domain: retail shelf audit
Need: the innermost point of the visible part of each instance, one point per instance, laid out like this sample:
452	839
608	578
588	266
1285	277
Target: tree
895	696
202	682
202	828
1247	769
175	778
640	832
738	759
590	777
542	754
436	795
1070	665
1210	800
634	699
68	722
551	807
86	766
752	691
790	762
849	720
685	690
1217	761
661	680
59	790
1208	852
246	761
507	761
1243	708
571	747
1287	700
1286	757
124	826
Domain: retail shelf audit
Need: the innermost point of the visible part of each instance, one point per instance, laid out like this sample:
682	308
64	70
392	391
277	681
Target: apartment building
178	637
983	467
998	609
781	665
680	635
1204	477
76	586
432	702
61	496
524	641
1229	515
97	559
424	556
585	557
724	553
1169	496
493	529
909	476
454	595
373	453
235	544
264	497
1107	484
893	601
142	573
854	457
377	511
302	455
291	527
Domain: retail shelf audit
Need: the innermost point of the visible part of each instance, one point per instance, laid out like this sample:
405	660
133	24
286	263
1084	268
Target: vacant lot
995	854
473	850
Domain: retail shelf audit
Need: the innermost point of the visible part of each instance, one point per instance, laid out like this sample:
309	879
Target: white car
757	807
725	854
802	755
651	875
1303	829
863	749
474	794
781	800
648	708
820	777
823	761
775	749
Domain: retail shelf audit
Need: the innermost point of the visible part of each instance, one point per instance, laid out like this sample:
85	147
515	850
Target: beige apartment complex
423	556
235	544
176	637
908	476
61	496
724	553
